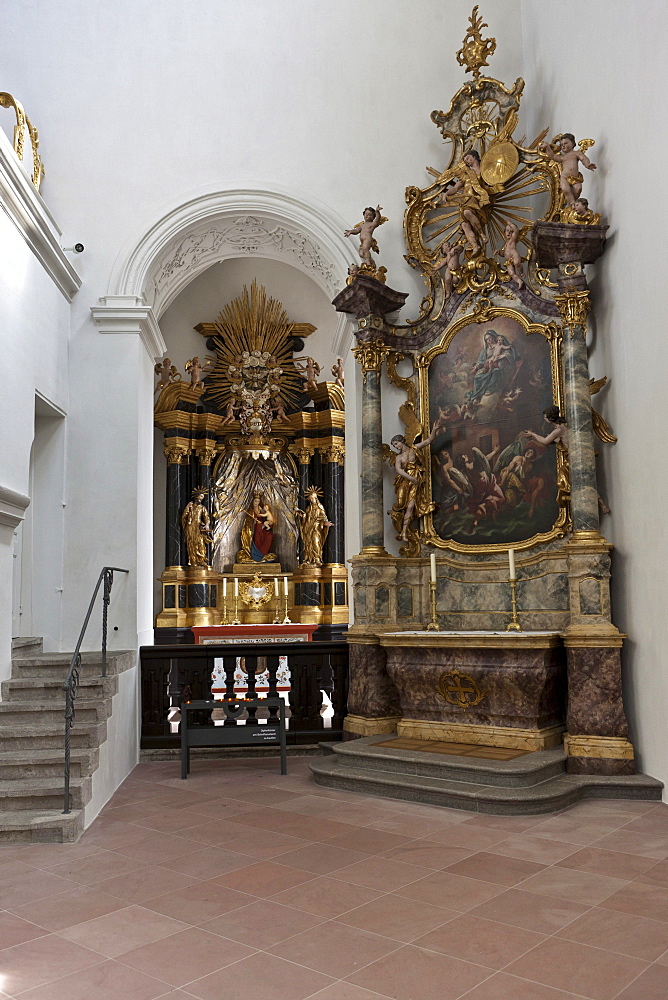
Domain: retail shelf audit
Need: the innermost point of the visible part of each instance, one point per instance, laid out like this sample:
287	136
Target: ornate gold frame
553	334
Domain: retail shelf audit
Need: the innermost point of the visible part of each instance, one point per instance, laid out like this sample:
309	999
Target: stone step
48	735
56	665
531	769
47	689
47	763
43	794
40	826
548	796
26	645
34	712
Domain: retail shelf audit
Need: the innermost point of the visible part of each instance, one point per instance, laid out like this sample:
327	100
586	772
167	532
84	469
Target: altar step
531	784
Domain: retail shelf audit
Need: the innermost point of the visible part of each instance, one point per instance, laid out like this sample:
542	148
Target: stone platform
531	784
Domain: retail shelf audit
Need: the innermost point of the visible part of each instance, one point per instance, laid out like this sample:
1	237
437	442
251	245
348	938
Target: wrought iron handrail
71	683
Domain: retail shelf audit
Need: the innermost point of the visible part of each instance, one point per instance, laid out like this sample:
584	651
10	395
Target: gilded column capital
175	454
371	355
573	307
206	455
303	454
334	453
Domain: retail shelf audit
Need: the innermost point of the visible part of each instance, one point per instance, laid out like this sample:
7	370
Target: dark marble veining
595	706
371	693
372	463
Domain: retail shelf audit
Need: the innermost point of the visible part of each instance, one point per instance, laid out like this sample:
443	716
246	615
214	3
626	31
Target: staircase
534	783
32	727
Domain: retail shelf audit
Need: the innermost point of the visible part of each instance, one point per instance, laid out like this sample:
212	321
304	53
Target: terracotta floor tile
504	987
170	820
578	968
307	827
655	822
612	863
640	898
335	949
15	870
509	824
366	841
223	808
110	835
262	924
473	838
262	977
382	874
650	985
123	930
535	912
345	991
578	886
41	885
265	878
656	875
100	866
145	884
428	854
199	902
319	858
629	842
495	868
626	933
528	848
40	961
16	930
106	981
483	942
452	891
215	831
179	959
47	855
310	805
416	974
568	828
66	909
207	862
409	824
397	917
326	897
261	796
162	846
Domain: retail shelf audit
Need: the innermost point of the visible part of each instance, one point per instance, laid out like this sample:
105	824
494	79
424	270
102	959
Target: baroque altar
255	446
496	511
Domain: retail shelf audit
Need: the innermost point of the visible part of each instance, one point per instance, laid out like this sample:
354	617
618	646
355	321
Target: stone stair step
48	734
14	712
43	793
57	664
47	763
531	769
26	645
47	689
548	796
40	826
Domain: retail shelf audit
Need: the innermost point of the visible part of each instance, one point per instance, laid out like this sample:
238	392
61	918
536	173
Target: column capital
371	355
573	307
175	454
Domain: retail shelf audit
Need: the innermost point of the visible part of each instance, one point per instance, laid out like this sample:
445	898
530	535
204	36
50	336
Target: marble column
371	356
333	458
176	492
573	308
202	477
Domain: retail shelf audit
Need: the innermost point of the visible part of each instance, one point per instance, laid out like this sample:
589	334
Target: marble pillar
176	499
371	356
333	490
373	700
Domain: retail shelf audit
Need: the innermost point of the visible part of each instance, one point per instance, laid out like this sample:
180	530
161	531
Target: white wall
598	69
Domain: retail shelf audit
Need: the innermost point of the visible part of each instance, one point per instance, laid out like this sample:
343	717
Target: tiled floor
240	883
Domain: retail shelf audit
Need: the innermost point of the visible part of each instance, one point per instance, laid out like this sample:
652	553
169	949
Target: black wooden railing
172	674
71	684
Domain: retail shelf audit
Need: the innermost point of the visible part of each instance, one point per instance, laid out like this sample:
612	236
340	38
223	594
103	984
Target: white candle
285	585
236	586
276	586
511	563
432	559
224	586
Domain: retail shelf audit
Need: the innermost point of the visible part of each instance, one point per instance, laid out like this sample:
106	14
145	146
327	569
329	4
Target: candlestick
276	586
236	602
511	564
432	560
514	624
225	621
224	586
285	586
236	586
433	625
286	620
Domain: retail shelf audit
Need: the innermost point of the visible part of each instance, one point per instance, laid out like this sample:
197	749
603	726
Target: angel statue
315	527
195	370
195	523
365	230
411	501
167	372
472	198
570	158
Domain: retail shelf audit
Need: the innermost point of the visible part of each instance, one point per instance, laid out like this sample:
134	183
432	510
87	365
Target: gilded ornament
255	593
475	50
460	690
371	355
499	163
23	128
175	454
573	308
315	527
196	529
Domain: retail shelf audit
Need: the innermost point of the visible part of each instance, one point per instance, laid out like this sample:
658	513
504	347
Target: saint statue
315	527
257	532
195	522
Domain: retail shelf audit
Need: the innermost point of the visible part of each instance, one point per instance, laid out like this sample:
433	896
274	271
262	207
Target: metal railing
71	684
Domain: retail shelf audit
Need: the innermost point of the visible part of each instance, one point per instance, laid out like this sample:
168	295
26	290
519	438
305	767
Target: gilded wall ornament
460	690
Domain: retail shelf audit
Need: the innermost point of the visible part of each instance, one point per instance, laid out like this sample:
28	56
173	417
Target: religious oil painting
493	481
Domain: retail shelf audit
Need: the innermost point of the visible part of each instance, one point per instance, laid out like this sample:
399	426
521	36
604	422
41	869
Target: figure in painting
512	254
315	527
570	159
411	500
365	230
518	483
257	533
450	262
470	193
494	367
195	523
482	494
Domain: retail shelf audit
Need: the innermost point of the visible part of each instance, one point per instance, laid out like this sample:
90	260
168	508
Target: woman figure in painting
195	524
257	533
315	527
493	368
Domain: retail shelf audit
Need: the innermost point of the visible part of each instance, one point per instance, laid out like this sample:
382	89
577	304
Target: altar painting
493	483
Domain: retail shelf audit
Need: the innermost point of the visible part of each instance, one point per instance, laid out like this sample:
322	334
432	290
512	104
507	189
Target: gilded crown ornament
475	49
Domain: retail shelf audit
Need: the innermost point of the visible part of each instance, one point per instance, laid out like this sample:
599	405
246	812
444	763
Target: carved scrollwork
573	308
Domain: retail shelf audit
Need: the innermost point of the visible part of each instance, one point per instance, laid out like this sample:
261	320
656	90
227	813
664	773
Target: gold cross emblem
460	690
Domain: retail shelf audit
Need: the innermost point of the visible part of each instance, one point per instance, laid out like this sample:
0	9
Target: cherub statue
167	372
365	230
337	372
580	214
450	262
570	159
312	370
230	412
195	370
278	408
512	254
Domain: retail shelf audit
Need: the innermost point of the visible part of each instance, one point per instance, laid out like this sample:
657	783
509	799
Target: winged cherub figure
365	230
570	159
167	372
512	254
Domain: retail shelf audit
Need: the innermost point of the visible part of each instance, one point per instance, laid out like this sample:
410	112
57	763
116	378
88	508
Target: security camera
77	248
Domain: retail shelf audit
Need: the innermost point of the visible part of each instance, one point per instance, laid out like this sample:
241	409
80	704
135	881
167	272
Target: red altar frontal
214	635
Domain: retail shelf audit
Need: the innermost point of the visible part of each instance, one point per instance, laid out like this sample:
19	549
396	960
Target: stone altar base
528	785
